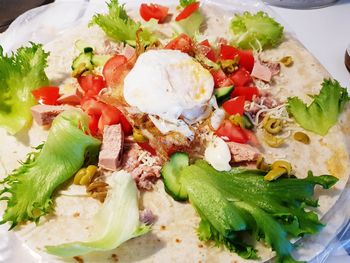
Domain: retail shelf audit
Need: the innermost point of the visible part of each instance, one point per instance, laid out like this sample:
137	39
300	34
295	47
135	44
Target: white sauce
218	154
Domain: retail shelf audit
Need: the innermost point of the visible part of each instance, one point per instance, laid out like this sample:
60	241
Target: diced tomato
247	92
246	57
126	126
209	51
158	12
183	43
220	78
93	107
92	84
47	95
188	10
147	147
110	115
241	77
234	105
232	133
114	70
93	124
253	140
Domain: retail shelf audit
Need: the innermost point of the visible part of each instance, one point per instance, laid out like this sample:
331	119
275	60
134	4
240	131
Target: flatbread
173	238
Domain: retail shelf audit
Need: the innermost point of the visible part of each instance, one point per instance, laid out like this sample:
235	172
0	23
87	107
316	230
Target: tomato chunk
91	84
114	70
93	124
246	57
207	50
183	43
47	95
147	147
188	11
92	107
247	92
241	77
220	78
232	133
149	11
234	105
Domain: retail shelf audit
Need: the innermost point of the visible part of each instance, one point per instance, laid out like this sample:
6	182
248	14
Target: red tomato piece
220	78
147	147
47	95
158	12
246	59
228	52
92	84
241	77
208	50
93	124
232	133
234	105
93	107
247	92
126	126
183	43
188	10
253	140
110	115
114	70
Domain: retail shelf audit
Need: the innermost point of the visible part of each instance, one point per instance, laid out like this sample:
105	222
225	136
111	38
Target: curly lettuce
116	221
255	31
184	3
324	110
241	203
20	74
120	27
28	189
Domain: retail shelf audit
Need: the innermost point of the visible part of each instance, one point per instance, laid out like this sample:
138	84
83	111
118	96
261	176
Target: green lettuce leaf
185	3
28	190
324	110
240	202
116	221
189	26
20	74
120	27
255	31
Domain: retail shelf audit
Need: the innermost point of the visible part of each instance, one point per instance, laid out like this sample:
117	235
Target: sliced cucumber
84	58
171	176
223	93
100	60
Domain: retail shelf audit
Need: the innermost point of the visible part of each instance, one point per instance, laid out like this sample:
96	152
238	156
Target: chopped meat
72	98
112	147
274	67
45	114
260	71
128	51
147	217
143	167
264	101
242	152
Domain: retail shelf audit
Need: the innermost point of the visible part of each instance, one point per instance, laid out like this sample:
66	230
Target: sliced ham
274	67
72	98
45	114
242	152
143	167
261	71
112	147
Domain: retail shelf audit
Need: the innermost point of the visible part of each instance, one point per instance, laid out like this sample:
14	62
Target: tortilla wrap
174	238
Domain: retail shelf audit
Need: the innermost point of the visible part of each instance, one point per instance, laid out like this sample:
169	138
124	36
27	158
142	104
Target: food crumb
178	240
158	239
162	227
76	214
200	245
79	259
115	257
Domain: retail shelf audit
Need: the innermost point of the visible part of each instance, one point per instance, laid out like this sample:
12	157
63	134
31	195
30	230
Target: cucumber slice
223	93
171	176
100	60
85	59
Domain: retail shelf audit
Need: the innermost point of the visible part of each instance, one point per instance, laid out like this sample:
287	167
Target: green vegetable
20	74
185	3
28	190
239	202
170	173
324	110
120	27
223	93
191	25
116	222
255	31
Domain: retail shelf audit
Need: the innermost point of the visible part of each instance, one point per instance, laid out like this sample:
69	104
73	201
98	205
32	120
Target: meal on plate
181	133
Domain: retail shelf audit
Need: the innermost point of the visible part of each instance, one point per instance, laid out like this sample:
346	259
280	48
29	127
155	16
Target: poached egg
171	86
